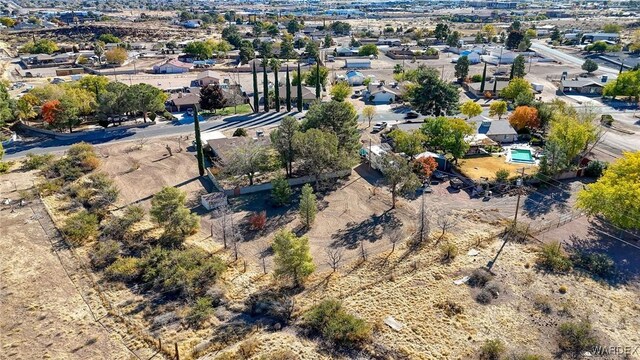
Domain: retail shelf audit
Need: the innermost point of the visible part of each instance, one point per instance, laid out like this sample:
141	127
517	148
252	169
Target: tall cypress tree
299	93
288	91
276	88
495	86
484	76
256	98
317	80
265	85
199	154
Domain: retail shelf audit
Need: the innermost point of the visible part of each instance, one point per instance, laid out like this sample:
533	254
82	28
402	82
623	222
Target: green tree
247	52
336	325
441	32
317	152
282	141
321	72
498	108
146	98
462	68
409	143
116	56
398	175
293	26
42	46
516	87
168	210
453	40
94	83
281	192
6	104
514	39
518	67
312	50
275	67
340	118
455	143
308	206
627	84
201	49
109	39
265	85
470	109
199	152
369	112
256	100
340	27
292	256
328	40
340	91
431	95
299	90
288	91
286	47
618	188
248	159
590	66
484	78
368	50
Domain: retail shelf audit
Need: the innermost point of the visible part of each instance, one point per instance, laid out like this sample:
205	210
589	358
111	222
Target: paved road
98	137
564	57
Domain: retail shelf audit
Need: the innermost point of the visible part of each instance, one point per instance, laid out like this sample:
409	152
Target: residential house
192	24
172	66
585	86
344	51
472	56
379	93
207	77
389	42
308	95
183	101
489	86
500	55
354	78
357	63
499	131
593	37
223	149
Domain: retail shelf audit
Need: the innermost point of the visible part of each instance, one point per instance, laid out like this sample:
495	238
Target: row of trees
65	106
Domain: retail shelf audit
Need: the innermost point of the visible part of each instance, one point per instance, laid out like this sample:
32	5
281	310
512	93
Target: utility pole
519	184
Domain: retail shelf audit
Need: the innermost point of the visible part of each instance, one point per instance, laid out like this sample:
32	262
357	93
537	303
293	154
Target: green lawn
232	110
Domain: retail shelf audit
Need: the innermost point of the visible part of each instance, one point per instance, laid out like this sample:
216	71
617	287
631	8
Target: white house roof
354	73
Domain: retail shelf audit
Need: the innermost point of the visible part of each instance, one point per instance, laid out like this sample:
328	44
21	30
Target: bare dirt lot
43	313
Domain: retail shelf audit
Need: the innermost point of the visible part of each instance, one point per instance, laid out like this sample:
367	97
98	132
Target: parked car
412	115
379	126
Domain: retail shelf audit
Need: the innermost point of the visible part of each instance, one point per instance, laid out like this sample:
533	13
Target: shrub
606	120
36	161
152	116
484	297
199	312
80	227
248	348
595	168
479	278
492	350
117	227
476	78
124	269
576	337
282	354
448	251
4	167
104	253
336	325
450	308
597	264
552	258
258	220
502	175
270	303
281	192
240	132
49	187
543	304
187	272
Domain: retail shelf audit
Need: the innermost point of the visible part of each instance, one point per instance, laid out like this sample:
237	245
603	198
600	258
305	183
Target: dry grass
486	166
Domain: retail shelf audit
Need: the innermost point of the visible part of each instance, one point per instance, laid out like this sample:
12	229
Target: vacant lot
43	313
486	166
142	168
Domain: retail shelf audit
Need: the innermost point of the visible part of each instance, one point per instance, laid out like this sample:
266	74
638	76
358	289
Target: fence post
177	352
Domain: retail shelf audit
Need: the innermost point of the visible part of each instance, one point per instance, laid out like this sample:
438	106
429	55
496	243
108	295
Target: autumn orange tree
524	117
425	166
49	111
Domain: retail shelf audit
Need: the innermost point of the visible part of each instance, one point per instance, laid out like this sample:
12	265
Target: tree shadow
371	230
546	200
622	247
